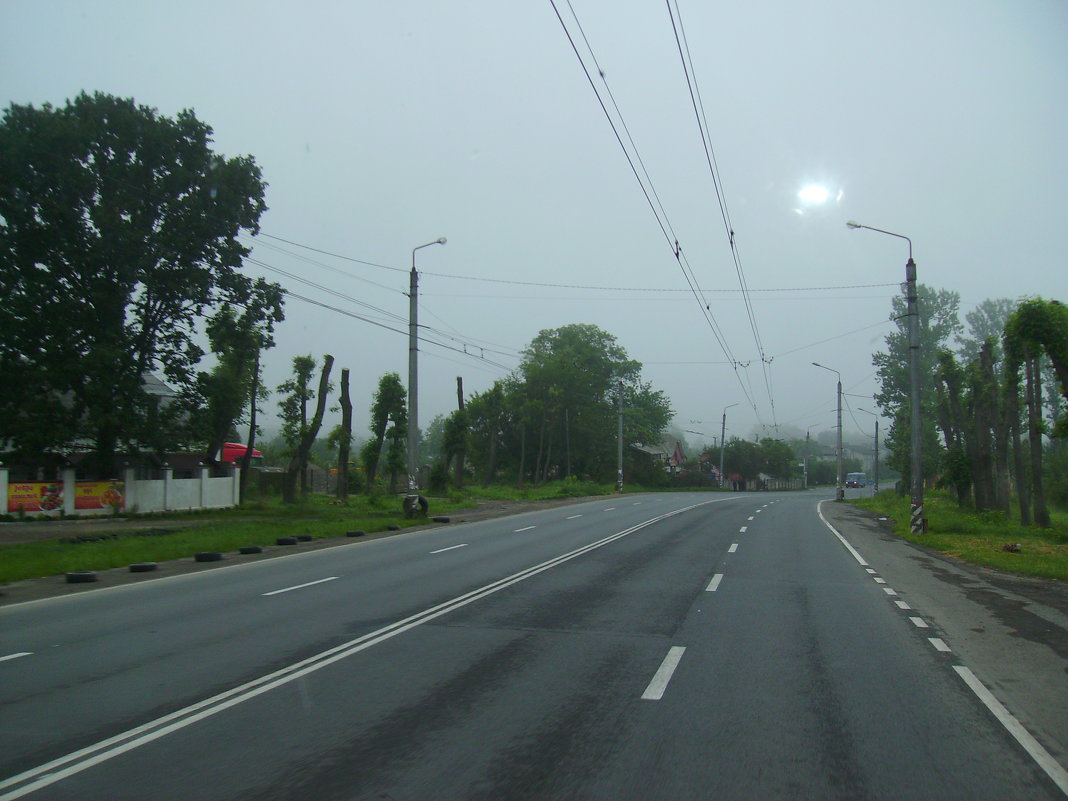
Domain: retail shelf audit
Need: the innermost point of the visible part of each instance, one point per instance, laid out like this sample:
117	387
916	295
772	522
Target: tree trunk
491	463
1023	485
1034	425
250	443
541	444
346	438
522	453
298	464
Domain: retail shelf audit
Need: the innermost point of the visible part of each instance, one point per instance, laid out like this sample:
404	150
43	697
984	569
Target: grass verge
256	523
980	537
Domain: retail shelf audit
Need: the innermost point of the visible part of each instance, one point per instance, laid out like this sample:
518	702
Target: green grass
258	522
981	537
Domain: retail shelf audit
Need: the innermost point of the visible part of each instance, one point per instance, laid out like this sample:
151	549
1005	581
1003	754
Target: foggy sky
383	126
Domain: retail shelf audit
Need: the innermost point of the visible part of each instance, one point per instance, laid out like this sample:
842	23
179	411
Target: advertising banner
35	496
99	495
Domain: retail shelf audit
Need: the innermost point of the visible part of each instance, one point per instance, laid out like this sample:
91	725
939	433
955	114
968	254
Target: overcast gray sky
382	126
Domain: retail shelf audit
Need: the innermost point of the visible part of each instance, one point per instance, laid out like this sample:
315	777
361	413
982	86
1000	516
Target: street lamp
413	373
723	442
873	414
839	492
917	520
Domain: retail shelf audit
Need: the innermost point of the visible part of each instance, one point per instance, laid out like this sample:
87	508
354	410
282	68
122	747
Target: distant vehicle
856	480
233	452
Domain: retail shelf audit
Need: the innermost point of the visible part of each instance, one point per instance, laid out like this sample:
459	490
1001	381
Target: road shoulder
1012	631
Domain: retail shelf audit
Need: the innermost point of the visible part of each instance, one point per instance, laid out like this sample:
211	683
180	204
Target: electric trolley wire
713	167
661	217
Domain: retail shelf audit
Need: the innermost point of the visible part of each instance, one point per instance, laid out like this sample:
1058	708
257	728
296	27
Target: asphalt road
668	646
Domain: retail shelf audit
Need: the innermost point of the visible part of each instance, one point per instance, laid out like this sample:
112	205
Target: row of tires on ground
89	576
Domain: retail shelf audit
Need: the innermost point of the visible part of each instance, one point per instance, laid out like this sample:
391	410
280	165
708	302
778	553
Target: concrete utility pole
917	522
619	442
723	442
839	492
413	372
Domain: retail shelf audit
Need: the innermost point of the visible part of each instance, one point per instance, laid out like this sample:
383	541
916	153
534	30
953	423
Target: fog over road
678	645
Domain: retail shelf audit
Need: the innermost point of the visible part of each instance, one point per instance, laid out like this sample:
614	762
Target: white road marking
939	644
525	528
749	518
758	511
71	764
743	529
879	580
714	584
869	570
9	657
902	605
842	539
919	622
1052	768
572	517
733	548
609	509
450	548
301	586
656	688
889	591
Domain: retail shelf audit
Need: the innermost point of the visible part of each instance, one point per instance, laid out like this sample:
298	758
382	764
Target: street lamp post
875	482
917	519
723	442
413	372
839	492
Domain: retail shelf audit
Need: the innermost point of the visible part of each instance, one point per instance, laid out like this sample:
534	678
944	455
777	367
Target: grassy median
982	538
255	523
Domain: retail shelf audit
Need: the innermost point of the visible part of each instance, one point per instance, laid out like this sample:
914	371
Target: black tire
251	549
81	576
286	541
441	519
393	527
356	533
208	556
143	567
305	538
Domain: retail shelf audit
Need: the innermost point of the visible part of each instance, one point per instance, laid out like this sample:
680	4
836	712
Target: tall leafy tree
118	230
299	462
938	323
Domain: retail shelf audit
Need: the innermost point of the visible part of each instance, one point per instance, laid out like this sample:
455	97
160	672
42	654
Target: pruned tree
299	462
389	404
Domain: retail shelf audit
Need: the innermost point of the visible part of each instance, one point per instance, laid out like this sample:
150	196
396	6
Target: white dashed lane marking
919	622
714	584
20	654
939	644
733	548
450	548
525	528
656	688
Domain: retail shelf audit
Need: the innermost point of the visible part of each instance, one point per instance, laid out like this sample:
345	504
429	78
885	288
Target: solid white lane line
733	548
525	528
656	688
572	517
302	586
889	591
9	657
714	584
939	644
879	580
850	548
34	779
919	622
450	548
743	529
902	605
1052	768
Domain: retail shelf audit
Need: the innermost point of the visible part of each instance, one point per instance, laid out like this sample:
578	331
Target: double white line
85	758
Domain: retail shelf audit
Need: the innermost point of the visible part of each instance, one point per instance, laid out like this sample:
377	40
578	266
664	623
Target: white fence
81	498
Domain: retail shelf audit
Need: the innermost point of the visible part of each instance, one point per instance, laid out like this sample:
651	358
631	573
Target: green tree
389	405
938	324
118	230
298	464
